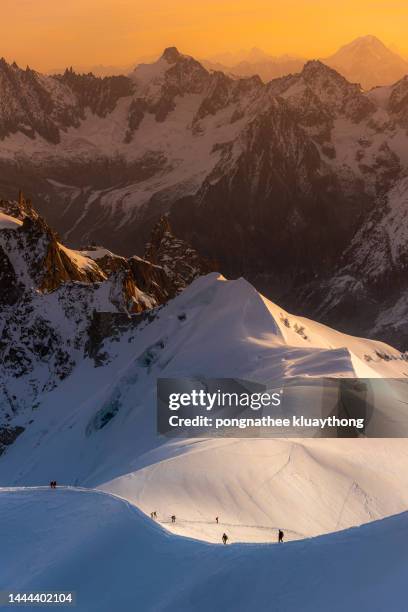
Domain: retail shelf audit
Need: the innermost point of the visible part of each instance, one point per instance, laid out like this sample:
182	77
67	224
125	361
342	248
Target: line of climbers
153	515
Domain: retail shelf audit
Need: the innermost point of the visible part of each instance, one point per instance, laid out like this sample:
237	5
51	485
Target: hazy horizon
120	32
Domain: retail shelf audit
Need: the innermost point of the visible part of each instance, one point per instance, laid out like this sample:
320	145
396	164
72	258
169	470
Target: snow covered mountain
147	569
86	334
366	60
274	181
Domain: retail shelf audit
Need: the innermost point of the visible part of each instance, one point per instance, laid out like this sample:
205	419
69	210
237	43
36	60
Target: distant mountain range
365	60
261	64
300	184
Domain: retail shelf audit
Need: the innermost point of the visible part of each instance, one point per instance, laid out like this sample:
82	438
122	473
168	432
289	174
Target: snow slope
131	563
97	428
305	487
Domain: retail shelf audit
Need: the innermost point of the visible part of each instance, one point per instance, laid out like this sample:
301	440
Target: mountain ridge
104	159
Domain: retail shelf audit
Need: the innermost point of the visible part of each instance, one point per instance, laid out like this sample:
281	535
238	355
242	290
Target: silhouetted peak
171	55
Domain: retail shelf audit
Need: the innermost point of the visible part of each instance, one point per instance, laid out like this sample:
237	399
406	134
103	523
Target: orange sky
50	34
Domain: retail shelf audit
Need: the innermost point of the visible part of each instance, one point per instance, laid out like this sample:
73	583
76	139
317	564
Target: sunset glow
111	32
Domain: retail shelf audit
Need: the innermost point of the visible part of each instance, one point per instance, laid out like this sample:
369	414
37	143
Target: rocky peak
180	261
157	86
186	76
315	70
171	55
19	209
318	95
42	261
159	232
44	264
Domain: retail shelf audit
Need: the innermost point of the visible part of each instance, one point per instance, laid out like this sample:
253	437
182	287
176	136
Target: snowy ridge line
70	488
180	520
133	507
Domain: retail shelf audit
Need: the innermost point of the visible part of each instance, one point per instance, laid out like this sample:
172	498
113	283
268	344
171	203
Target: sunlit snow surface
98	428
115	559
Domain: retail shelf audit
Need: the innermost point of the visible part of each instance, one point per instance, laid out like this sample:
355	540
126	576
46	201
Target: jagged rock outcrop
181	263
35	250
152	279
19	209
100	95
168	267
318	95
58	304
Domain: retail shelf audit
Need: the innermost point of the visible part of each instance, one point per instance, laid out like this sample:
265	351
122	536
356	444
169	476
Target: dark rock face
137	110
100	95
27	106
271	206
398	102
105	325
8	435
180	262
221	92
152	279
10	288
38	105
